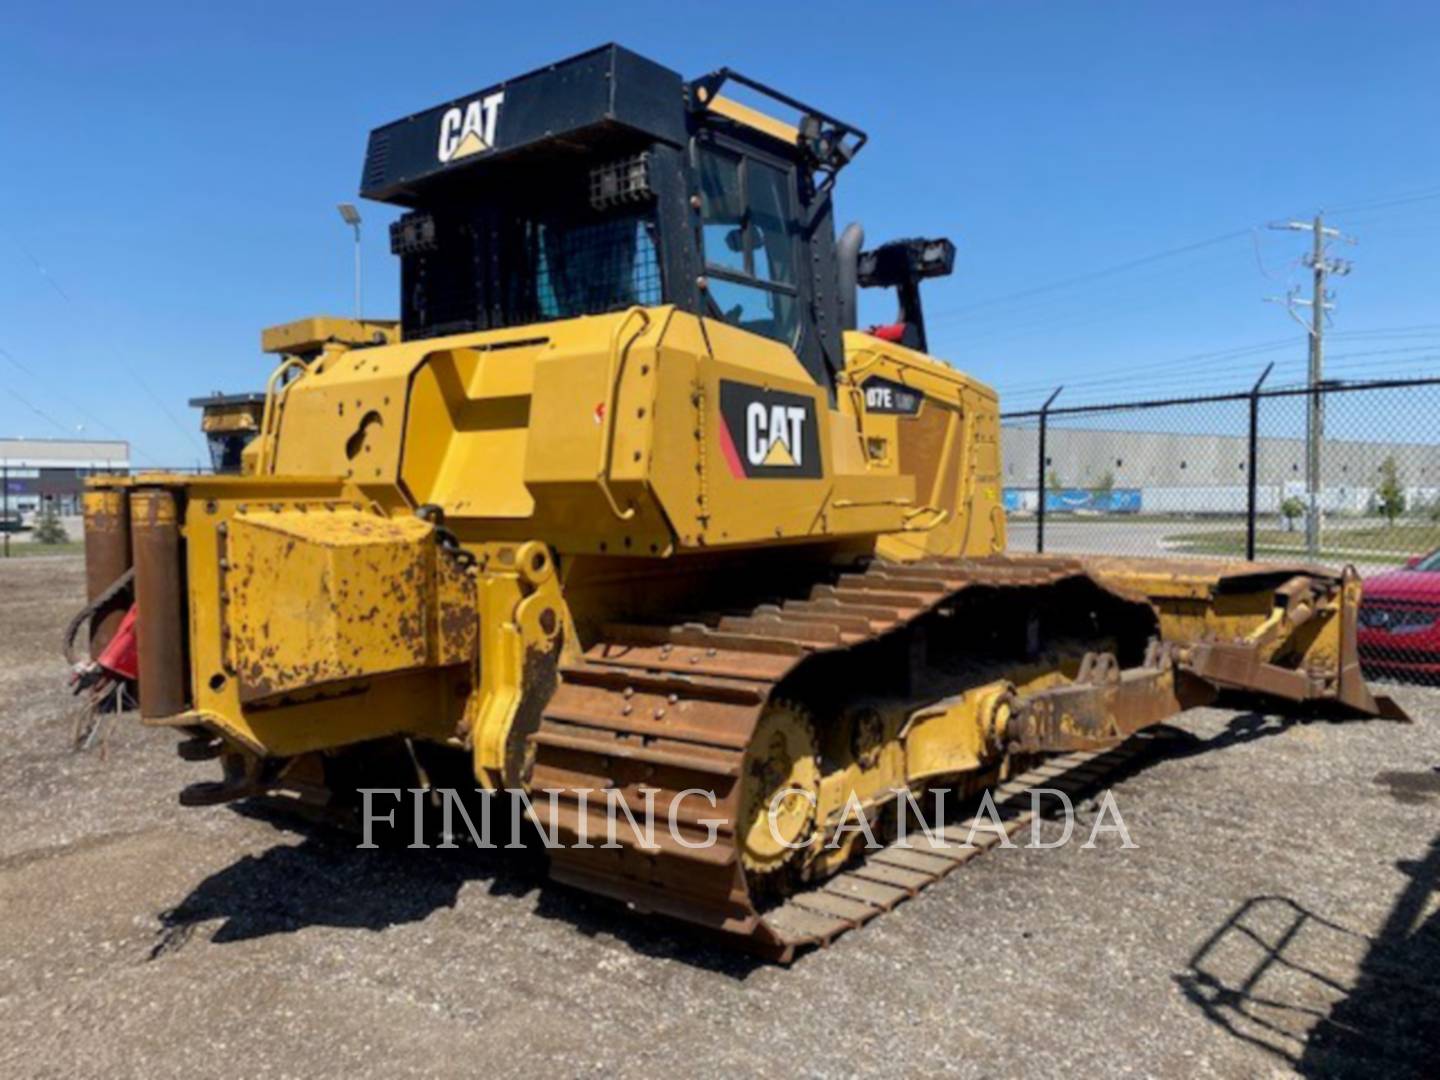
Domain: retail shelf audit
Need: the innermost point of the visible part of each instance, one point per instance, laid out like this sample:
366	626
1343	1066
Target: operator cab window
593	265
749	244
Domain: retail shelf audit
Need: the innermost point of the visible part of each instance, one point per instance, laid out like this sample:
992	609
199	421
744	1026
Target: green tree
1390	495
1052	481
1105	485
48	529
1291	509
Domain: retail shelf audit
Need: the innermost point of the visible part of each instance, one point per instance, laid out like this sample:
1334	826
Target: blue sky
171	173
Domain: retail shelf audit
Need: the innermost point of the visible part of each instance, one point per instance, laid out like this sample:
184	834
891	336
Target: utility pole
1320	303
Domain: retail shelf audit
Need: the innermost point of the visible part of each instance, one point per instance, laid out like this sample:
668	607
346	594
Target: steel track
653	711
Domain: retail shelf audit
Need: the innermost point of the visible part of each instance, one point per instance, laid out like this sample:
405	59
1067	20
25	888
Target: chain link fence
1346	473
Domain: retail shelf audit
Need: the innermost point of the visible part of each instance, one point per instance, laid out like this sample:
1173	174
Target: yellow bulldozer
625	502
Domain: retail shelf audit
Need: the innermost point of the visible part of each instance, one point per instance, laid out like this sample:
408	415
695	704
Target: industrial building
33	471
1166	472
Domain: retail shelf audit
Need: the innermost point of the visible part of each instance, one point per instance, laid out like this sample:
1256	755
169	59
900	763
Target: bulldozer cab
606	181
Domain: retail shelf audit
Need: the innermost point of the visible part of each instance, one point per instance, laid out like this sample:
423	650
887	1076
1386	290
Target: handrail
265	462
618	356
852	504
832	148
942	515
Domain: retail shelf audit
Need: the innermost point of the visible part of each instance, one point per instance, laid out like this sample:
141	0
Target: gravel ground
1280	913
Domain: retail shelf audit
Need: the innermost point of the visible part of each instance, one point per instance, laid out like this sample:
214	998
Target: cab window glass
749	244
722	210
772	251
750	307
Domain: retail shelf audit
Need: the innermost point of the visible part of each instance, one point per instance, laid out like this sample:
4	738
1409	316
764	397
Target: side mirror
1413	562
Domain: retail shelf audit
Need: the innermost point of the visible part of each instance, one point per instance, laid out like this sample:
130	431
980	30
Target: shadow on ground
1248	727
1321	997
327	880
1317	995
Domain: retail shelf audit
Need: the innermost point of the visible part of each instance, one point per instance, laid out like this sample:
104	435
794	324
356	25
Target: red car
1399	631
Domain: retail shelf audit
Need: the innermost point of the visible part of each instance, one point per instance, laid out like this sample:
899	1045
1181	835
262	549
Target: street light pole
351	217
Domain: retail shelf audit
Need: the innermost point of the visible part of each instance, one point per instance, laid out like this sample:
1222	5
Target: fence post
1040	472
1252	482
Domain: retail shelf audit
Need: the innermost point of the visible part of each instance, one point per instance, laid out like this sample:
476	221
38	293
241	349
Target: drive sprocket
780	788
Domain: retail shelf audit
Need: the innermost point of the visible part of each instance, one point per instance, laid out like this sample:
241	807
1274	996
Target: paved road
1068	536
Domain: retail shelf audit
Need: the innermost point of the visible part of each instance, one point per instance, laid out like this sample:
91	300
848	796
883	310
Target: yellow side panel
467	430
320	597
347	420
950	446
707	495
569	388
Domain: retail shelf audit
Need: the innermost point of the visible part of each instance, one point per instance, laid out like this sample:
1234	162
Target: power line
10	357
1118	301
39	412
1181	385
1414	330
1112	387
1389	359
1397	350
1396	200
1113	375
1092	275
1136	280
129	368
1404	199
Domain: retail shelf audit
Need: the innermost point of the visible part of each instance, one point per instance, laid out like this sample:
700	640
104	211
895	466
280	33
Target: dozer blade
1302	649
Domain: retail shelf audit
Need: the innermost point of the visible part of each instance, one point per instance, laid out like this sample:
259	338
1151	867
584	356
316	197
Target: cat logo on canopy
469	129
768	433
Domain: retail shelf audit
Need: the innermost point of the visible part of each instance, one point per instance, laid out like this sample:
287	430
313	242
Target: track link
653	712
898	872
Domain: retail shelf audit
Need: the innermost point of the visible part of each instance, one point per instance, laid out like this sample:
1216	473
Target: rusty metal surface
651	712
1104	705
1224	573
107	557
160	595
316	596
656	711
